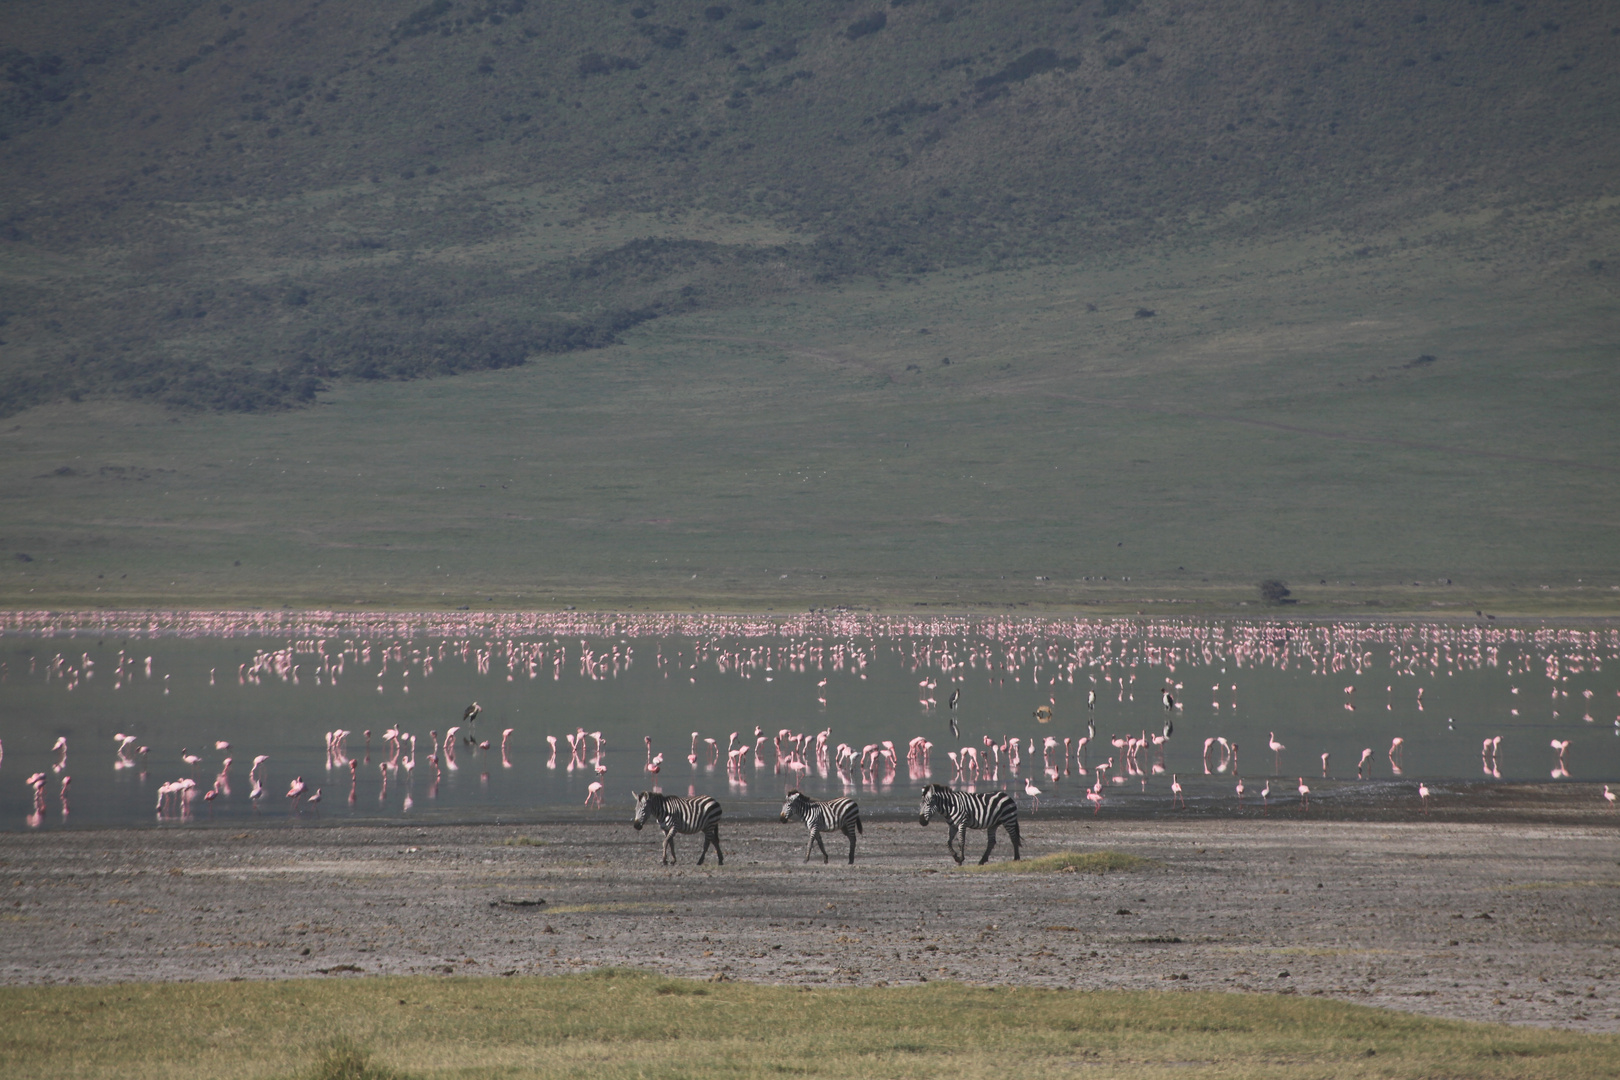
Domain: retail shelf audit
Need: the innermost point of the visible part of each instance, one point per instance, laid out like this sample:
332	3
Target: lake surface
276	685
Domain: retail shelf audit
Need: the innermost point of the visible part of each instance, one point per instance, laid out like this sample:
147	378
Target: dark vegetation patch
595	63
1273	591
1027	66
866	25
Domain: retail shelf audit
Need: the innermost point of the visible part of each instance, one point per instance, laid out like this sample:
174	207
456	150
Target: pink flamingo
1304	794
1033	792
1175	792
1240	791
593	794
1265	798
1366	757
1608	796
1423	793
1276	748
1324	766
295	790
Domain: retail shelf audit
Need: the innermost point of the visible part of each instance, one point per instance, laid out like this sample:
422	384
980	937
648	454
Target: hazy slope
374	189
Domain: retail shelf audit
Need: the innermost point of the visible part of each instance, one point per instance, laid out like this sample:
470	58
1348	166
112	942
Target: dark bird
1169	701
472	713
1091	698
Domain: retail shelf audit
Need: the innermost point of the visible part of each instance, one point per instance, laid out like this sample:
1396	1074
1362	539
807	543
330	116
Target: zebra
964	811
834	815
699	813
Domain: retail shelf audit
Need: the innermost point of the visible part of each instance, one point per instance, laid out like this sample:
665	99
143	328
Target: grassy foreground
622	1023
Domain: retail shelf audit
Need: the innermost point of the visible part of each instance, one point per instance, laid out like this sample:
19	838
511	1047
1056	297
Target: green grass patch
1070	862
619	1023
345	1061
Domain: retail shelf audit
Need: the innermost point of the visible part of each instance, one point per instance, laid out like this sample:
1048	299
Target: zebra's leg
990	836
714	836
810	846
707	839
950	844
1012	831
822	846
849	831
669	846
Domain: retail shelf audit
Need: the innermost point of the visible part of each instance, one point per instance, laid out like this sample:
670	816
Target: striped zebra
964	811
834	815
699	813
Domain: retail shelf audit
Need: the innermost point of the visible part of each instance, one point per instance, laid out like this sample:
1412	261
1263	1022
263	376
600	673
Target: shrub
1027	66
870	24
348	1062
420	21
595	63
666	37
1275	592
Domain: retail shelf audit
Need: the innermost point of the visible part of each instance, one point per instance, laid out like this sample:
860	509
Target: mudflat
1511	920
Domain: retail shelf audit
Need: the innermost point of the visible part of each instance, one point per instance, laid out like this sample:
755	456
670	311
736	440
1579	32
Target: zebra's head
795	805
931	800
643	804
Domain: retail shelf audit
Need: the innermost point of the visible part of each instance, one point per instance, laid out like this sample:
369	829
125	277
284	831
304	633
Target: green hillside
965	304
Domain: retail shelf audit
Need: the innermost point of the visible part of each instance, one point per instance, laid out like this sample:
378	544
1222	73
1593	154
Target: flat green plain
625	1023
1403	428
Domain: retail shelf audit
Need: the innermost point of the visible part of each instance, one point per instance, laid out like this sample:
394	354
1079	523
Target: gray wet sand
1507	921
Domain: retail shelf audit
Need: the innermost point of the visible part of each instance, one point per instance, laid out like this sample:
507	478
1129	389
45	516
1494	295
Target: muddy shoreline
1513	917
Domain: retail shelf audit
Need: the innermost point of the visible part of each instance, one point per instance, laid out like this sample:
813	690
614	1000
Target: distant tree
1275	592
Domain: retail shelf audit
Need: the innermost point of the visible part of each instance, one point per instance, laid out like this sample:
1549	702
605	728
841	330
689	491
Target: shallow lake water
276	685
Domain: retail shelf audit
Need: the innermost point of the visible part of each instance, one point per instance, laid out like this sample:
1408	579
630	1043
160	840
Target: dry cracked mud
1505	921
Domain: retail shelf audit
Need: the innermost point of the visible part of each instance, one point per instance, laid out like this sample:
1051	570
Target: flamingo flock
1101	659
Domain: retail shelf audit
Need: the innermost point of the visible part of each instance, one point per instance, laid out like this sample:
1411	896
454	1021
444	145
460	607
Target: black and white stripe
698	813
834	815
964	811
